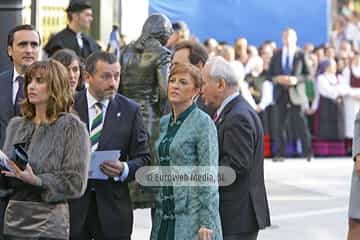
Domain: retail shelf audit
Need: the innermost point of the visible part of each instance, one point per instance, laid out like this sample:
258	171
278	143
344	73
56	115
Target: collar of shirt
225	102
288	51
79	39
15	75
15	85
91	101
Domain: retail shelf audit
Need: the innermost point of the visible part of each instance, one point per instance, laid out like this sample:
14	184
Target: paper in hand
97	158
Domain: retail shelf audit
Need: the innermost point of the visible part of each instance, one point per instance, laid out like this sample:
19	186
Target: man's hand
112	168
310	111
285	80
205	233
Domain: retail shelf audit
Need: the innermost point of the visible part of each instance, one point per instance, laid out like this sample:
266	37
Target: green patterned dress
191	140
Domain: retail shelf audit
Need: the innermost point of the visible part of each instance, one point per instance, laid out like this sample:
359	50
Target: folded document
97	158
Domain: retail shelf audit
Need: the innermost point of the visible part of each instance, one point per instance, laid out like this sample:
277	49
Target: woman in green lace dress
188	138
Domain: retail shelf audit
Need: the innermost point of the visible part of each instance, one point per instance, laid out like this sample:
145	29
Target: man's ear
221	84
75	16
87	76
9	51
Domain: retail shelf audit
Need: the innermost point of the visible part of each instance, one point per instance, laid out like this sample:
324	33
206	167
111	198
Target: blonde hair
57	78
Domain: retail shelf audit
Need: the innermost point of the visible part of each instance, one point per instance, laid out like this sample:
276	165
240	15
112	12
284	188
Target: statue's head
158	26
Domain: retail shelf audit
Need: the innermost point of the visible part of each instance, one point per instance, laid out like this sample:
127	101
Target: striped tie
96	126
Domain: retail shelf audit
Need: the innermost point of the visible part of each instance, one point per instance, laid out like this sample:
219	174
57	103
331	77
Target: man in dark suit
288	71
115	123
79	14
23	49
243	204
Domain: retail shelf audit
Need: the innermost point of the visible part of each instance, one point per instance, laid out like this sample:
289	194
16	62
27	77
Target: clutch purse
19	156
28	220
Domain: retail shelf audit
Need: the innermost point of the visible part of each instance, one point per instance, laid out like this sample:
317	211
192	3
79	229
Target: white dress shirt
79	39
285	53
15	85
331	86
266	95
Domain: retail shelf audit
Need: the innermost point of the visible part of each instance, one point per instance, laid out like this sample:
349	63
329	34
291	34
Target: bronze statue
144	72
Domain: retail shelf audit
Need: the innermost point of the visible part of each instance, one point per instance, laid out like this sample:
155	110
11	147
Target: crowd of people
164	100
325	91
61	113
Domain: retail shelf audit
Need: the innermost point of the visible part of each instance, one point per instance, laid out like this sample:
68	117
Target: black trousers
92	228
242	236
284	115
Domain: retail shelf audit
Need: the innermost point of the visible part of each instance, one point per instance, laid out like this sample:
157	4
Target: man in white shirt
288	71
115	123
23	49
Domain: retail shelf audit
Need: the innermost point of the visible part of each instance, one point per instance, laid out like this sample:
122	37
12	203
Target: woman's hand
27	175
205	233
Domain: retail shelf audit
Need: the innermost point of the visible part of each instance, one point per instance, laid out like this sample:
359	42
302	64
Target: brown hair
66	56
57	78
193	71
197	52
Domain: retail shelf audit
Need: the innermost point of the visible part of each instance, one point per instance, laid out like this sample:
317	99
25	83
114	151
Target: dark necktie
287	67
20	95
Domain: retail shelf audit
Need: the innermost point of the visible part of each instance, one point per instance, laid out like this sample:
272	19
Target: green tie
96	126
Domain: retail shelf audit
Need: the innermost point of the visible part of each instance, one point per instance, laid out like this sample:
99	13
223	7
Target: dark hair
57	78
18	28
66	57
76	7
179	26
207	41
197	52
91	61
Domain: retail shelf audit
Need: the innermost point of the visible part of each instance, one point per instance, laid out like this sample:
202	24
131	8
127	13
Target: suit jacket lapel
7	93
296	57
226	110
280	61
81	107
112	121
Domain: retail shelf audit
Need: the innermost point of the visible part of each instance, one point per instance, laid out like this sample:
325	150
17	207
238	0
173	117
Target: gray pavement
308	200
